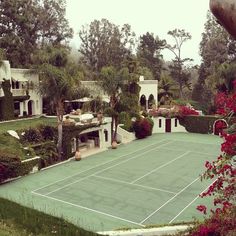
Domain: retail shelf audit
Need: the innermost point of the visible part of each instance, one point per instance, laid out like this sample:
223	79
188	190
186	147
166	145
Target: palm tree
59	81
112	80
167	87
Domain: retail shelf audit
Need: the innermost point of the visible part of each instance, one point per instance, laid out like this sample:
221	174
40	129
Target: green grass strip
36	222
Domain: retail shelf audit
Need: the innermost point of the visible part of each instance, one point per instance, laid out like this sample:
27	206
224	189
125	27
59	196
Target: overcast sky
156	16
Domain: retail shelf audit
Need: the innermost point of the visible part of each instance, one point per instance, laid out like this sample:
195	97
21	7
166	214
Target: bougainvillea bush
222	171
176	111
186	111
142	128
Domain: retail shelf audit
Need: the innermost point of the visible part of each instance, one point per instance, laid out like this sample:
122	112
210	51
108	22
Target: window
106	135
159	123
176	122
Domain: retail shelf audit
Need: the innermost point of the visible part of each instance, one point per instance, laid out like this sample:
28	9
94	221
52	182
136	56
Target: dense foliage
28	25
223	171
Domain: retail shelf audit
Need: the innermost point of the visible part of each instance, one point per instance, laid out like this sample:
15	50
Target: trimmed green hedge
201	124
36	222
12	167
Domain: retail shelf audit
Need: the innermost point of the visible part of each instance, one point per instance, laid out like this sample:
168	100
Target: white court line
150	172
138	185
178	140
191	203
90	209
168	201
96	166
202	153
100	171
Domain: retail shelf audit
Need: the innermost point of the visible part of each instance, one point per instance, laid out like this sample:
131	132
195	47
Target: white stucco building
24	89
28	101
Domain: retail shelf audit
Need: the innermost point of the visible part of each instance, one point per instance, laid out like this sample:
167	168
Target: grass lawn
11	230
22	124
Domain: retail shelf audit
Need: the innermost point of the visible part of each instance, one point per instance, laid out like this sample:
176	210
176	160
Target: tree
105	44
28	25
148	53
213	46
59	81
177	72
167	87
112	80
145	72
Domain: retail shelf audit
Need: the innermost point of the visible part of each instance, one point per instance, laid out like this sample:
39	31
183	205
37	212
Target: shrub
8	165
186	111
124	118
48	153
201	124
47	132
142	128
32	135
221	224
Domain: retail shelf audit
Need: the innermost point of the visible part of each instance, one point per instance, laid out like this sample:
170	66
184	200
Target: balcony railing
15	92
18	92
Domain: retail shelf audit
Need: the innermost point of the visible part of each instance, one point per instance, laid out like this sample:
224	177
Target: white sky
154	16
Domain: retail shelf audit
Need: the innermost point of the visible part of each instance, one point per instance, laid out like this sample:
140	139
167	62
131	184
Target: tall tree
167	87
105	44
213	46
58	81
149	53
112	80
177	72
25	25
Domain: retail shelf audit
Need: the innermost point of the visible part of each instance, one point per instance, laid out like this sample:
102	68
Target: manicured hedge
36	222
12	167
201	124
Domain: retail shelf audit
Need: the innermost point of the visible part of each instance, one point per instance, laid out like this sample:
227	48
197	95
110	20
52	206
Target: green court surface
146	182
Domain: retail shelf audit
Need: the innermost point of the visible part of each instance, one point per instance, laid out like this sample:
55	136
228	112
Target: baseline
202	153
104	163
89	209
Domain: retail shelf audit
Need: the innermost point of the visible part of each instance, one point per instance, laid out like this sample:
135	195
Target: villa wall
161	123
23	88
29	81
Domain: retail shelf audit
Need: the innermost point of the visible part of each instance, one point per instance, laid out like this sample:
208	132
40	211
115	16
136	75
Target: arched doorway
30	107
219	126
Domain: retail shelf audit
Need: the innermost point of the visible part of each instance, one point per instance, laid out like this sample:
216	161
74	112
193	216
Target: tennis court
146	182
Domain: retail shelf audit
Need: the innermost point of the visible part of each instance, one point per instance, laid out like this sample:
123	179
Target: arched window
143	101
151	101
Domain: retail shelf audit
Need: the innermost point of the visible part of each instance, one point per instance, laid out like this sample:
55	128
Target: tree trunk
60	112
116	125
225	12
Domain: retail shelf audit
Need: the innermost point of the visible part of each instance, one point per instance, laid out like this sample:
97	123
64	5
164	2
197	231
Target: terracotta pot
225	12
77	155
114	145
